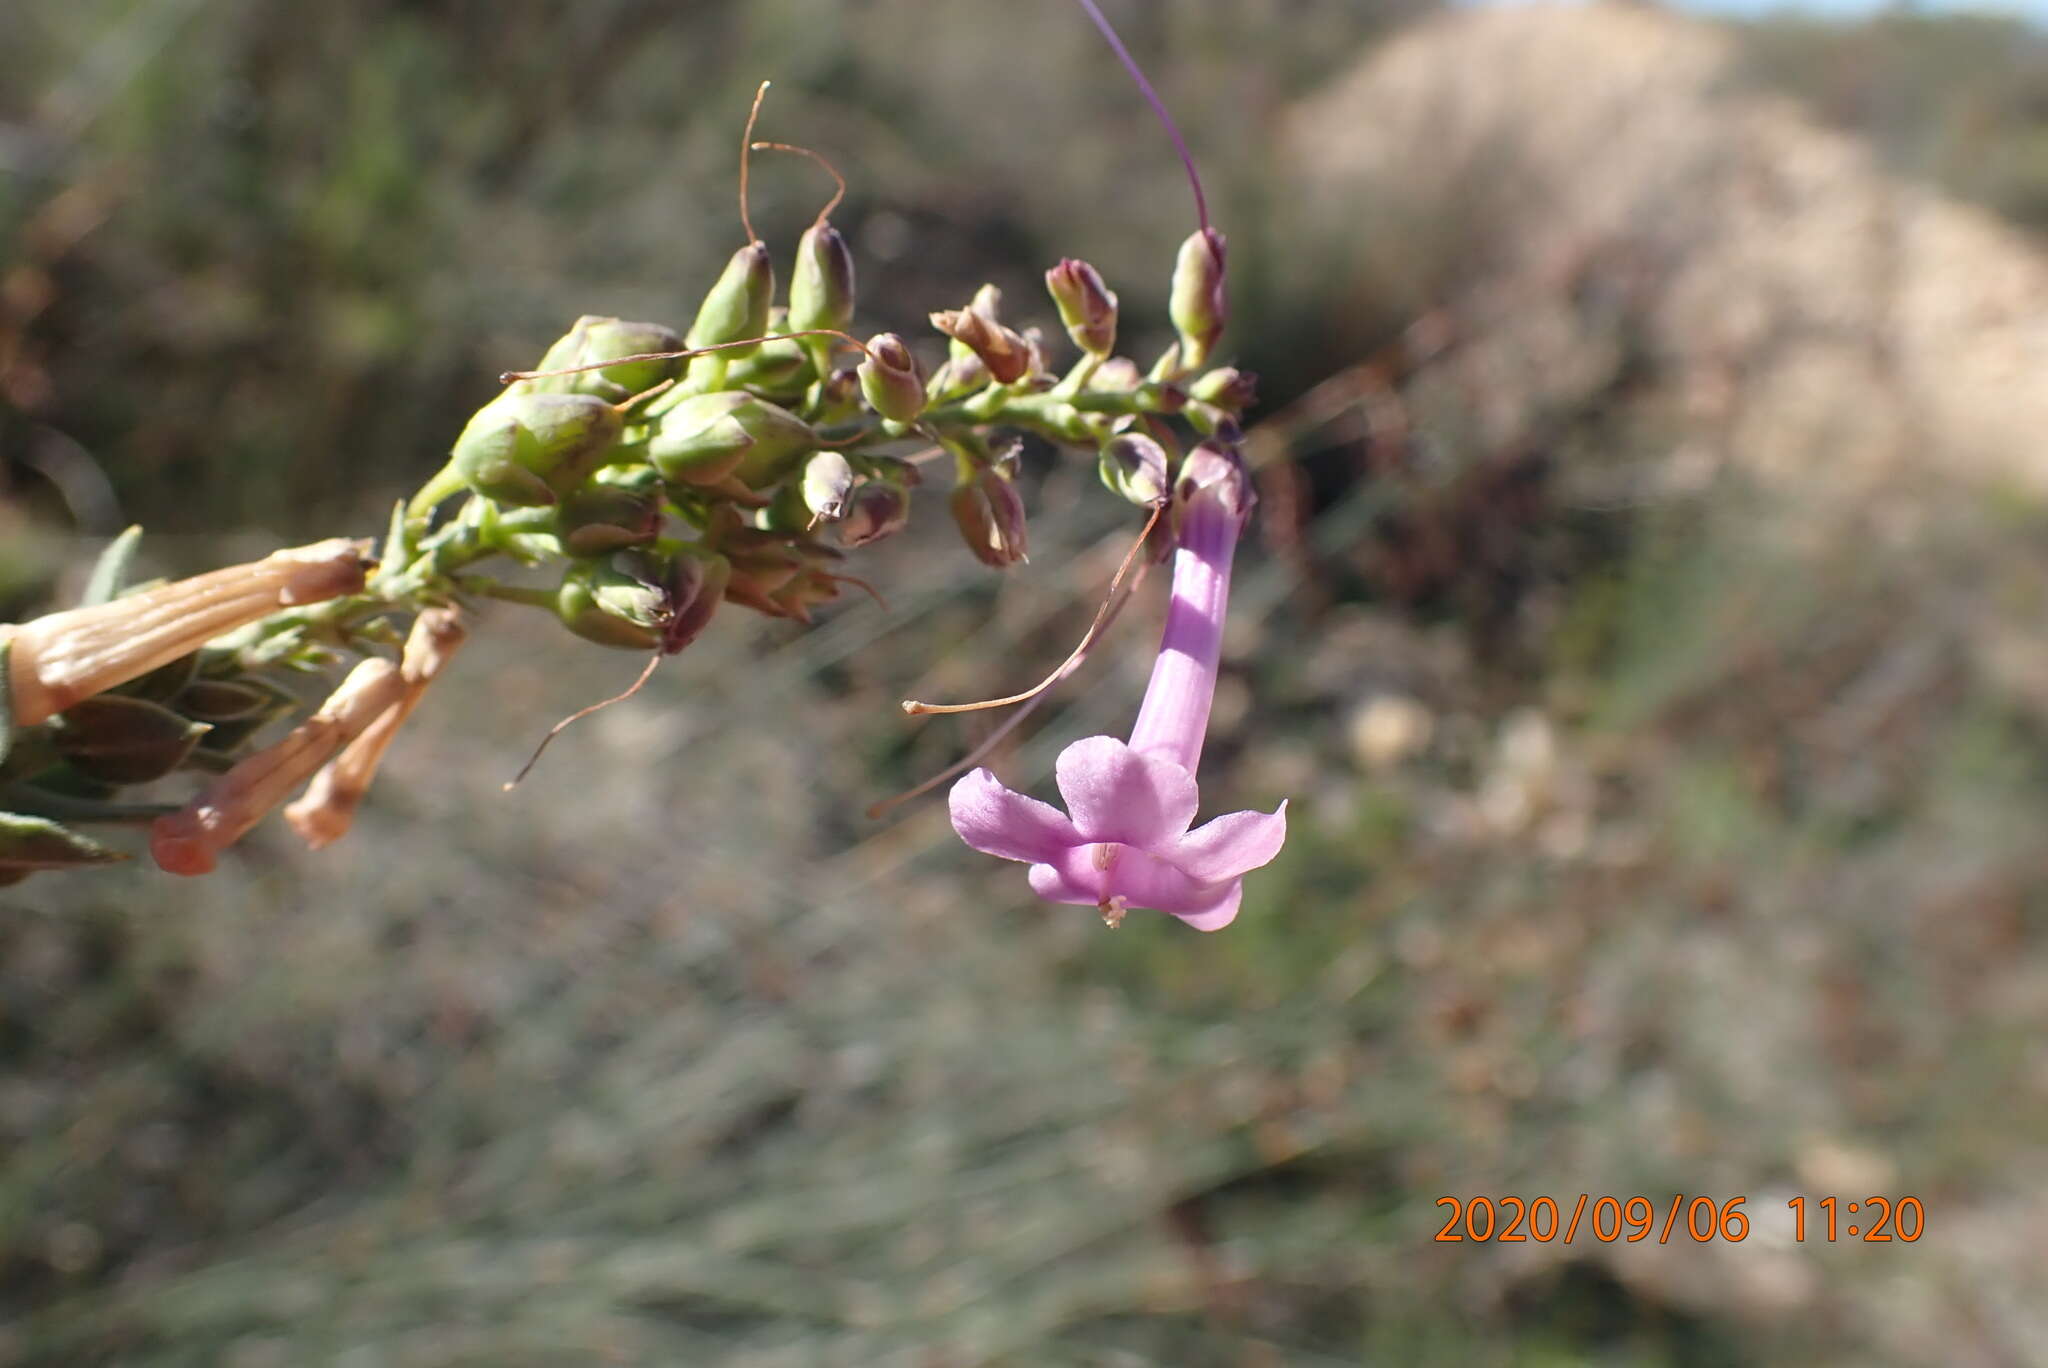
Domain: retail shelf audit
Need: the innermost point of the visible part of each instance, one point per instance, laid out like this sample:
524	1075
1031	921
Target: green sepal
605	515
775	370
110	571
225	700
125	740
29	844
165	682
70	783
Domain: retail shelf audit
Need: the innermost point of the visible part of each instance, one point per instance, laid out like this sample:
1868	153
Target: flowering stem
1175	713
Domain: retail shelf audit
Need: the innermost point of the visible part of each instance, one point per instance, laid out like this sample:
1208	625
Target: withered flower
60	659
189	841
324	813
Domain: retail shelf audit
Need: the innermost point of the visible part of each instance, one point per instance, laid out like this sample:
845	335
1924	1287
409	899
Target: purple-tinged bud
708	437
1133	466
821	289
876	510
595	338
1005	353
528	448
601	603
991	517
1198	304
1227	388
737	306
1087	306
889	379
695	584
827	481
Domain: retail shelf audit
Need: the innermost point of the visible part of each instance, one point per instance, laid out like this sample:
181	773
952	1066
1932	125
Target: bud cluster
637	481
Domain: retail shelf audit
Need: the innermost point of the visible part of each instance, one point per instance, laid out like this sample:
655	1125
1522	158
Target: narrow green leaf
32	843
33	801
110	571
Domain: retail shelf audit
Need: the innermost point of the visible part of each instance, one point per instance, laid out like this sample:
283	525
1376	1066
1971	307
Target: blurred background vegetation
1647	624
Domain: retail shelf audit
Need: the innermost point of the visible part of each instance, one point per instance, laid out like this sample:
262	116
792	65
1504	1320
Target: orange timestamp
1631	1220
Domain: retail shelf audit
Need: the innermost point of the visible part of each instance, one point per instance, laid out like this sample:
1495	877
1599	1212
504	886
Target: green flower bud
125	740
528	448
1004	352
1198	305
737	307
602	517
876	510
827	480
990	515
1087	306
889	379
708	437
595	338
821	289
1133	466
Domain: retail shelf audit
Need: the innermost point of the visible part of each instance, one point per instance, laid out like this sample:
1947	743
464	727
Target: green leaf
110	571
28	844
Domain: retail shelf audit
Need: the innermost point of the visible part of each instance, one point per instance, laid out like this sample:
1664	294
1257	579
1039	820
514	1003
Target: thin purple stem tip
1158	105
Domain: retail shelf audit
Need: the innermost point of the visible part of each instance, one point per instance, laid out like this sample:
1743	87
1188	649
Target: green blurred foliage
271	250
1959	100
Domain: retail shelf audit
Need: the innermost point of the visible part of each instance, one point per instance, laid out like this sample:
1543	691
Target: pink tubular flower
1124	840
